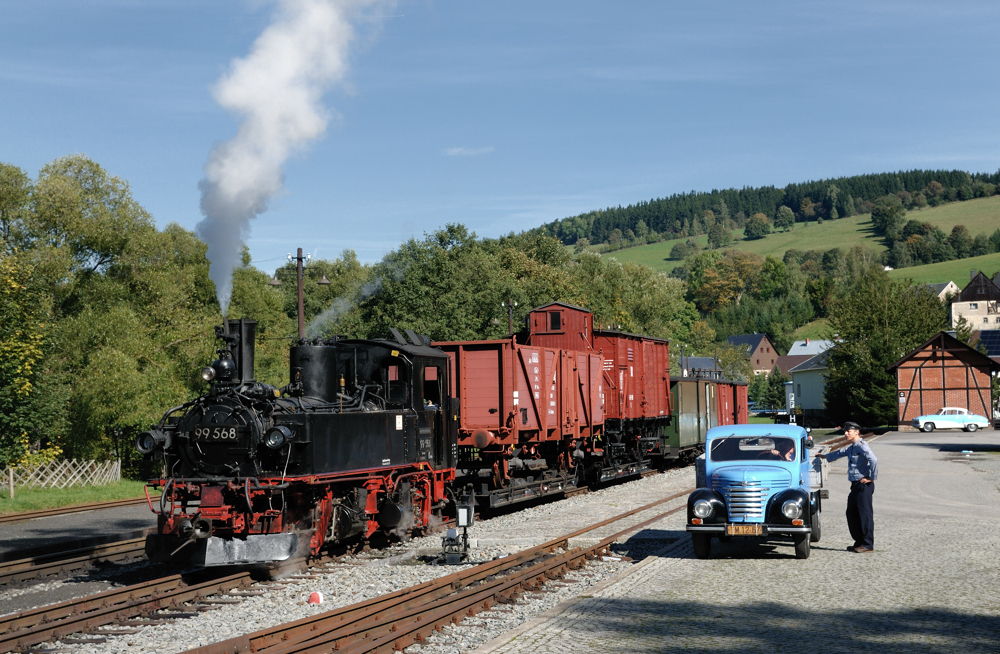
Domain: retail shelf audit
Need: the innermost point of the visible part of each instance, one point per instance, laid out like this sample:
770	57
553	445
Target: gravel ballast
367	576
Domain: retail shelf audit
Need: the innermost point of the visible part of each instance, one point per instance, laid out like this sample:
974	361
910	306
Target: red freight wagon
527	414
636	368
732	399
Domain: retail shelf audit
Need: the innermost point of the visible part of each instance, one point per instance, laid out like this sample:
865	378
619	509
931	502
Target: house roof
948	343
752	341
789	361
980	289
817	362
937	289
809	347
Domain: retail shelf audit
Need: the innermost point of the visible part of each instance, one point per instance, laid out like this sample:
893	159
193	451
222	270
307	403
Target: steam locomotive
389	435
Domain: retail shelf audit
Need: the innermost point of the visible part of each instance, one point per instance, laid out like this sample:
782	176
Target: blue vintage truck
760	482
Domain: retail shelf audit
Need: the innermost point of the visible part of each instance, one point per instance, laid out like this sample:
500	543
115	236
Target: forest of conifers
678	215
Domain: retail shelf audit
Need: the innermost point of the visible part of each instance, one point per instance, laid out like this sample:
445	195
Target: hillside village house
763	356
978	303
945	290
809	386
800	352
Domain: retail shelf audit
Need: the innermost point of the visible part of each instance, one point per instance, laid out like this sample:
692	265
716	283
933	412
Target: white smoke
277	89
344	303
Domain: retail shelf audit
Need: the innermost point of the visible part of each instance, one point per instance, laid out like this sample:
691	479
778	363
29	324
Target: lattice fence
61	474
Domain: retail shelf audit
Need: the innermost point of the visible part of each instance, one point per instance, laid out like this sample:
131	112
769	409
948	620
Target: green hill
981	216
956	270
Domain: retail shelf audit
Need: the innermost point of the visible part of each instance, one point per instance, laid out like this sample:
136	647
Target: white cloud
467	152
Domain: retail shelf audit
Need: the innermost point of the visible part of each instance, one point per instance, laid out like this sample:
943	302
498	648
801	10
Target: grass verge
36	499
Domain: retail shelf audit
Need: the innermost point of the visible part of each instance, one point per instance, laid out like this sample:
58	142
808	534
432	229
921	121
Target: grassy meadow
36	499
981	216
956	271
817	329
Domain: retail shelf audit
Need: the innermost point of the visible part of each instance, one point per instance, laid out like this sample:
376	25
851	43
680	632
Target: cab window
432	387
395	380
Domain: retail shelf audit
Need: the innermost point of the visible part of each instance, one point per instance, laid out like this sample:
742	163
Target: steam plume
341	305
277	89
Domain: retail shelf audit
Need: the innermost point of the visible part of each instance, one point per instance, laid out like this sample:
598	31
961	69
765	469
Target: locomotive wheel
802	548
702	544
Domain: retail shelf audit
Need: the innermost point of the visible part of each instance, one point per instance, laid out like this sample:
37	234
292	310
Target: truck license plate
744	530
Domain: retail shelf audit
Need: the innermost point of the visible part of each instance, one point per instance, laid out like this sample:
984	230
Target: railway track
78	621
377	625
397	620
58	563
93	506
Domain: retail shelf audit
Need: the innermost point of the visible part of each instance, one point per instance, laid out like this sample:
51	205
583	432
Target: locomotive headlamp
702	508
208	373
277	436
150	441
792	509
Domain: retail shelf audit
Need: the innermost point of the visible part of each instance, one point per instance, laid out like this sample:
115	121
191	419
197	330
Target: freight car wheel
817	528
702	544
802	546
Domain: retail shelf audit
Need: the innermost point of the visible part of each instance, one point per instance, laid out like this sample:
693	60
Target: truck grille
747	499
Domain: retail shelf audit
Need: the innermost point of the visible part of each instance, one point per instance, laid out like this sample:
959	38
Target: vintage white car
951	418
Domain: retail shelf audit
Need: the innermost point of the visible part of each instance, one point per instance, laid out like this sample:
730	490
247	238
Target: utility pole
300	264
510	304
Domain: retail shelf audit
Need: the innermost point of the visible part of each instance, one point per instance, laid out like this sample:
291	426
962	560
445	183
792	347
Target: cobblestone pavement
930	586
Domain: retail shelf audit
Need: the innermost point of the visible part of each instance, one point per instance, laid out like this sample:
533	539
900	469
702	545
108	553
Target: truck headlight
702	508
792	509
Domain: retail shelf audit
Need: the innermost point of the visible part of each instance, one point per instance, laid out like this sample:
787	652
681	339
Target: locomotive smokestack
245	331
277	90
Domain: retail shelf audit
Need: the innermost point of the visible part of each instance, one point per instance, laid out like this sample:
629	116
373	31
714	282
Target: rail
46	513
399	619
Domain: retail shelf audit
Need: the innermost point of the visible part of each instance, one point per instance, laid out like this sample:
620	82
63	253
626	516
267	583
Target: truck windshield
744	448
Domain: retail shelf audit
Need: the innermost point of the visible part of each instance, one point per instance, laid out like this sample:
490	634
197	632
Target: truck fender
774	514
719	512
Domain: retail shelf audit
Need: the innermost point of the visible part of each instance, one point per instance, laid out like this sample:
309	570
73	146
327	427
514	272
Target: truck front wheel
702	544
817	528
802	546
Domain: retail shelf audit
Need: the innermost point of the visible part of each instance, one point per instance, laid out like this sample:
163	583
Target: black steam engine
359	441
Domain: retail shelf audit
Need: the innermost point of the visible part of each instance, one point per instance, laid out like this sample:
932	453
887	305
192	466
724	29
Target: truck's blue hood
747	489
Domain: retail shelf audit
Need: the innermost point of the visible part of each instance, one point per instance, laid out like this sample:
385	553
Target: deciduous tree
877	321
757	227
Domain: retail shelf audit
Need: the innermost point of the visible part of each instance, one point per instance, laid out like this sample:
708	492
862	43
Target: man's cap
851	425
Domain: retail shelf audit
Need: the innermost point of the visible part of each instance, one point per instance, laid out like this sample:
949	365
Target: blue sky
506	115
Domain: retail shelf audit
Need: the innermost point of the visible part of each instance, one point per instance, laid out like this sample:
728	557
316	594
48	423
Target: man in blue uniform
862	470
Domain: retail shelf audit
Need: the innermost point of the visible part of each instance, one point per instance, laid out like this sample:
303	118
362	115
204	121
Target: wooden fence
62	474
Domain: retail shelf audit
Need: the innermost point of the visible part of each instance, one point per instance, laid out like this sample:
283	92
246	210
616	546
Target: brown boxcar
636	368
527	415
732	398
636	382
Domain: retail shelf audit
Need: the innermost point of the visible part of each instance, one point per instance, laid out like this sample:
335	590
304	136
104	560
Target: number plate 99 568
224	434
